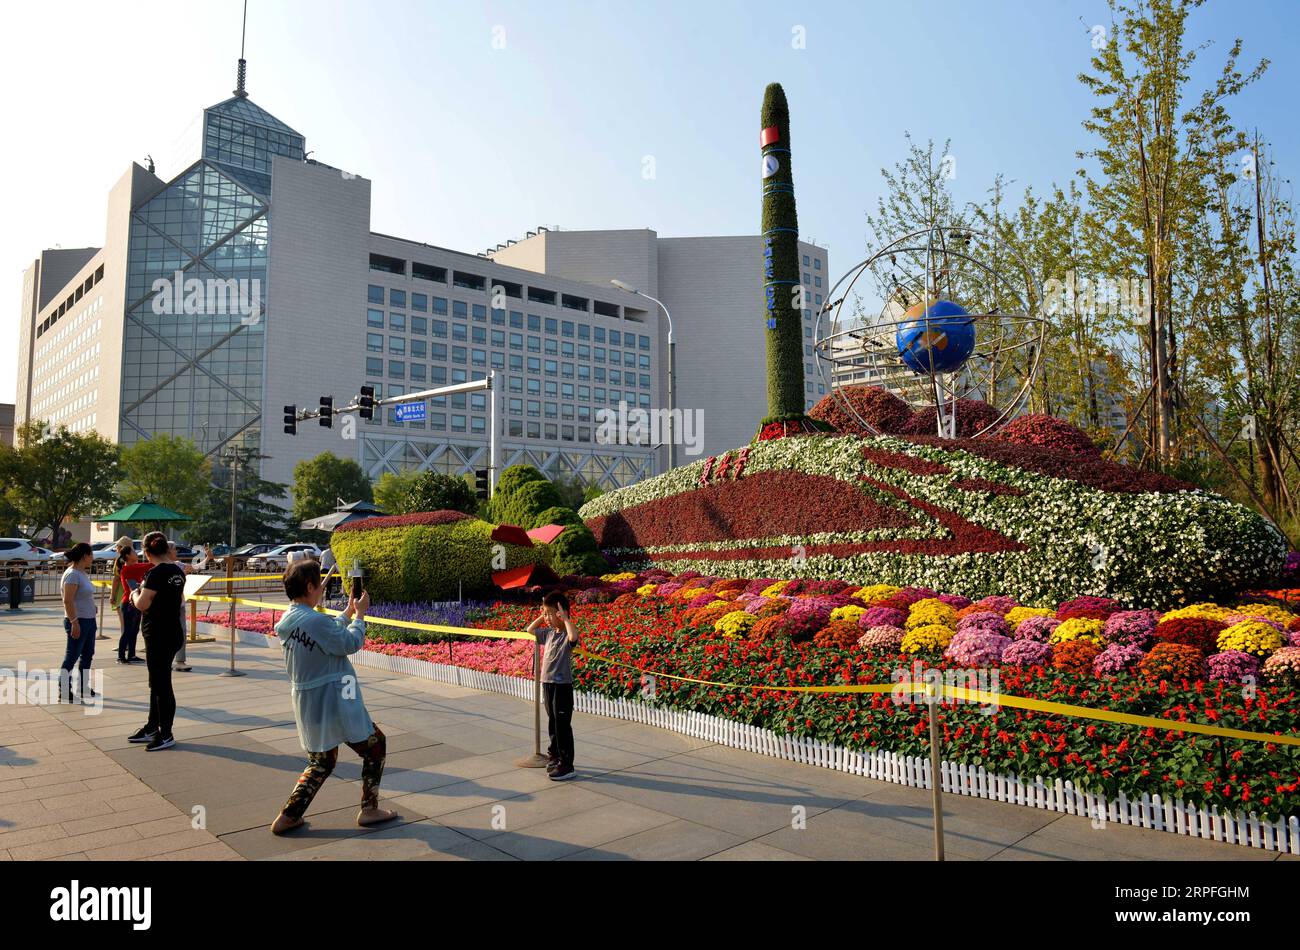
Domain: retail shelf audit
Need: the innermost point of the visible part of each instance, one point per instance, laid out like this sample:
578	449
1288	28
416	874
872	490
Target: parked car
239	556
277	559
18	552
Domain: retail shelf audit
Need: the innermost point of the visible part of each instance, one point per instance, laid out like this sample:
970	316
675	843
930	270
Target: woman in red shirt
132	576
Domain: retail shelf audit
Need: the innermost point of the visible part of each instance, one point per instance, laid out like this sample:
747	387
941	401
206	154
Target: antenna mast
240	91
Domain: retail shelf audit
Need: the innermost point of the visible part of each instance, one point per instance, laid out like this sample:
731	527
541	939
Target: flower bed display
653	633
972	517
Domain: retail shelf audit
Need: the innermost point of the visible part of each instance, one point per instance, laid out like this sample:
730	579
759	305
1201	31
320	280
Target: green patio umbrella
144	512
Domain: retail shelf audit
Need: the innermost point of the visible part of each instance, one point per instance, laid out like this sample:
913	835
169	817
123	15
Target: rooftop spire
242	73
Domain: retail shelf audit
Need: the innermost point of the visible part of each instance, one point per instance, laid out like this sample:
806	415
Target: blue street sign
411	411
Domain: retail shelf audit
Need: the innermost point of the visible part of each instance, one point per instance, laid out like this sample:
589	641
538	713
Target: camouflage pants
320	764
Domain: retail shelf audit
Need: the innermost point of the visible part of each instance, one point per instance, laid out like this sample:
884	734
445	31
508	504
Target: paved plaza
71	786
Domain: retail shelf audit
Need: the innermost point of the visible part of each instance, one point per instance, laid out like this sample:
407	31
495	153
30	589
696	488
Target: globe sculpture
893	321
939	340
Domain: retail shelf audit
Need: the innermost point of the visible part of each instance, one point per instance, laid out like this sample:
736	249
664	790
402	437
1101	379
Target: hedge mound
427	555
973	517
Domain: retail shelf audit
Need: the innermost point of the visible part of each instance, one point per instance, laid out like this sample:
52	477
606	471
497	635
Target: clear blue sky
468	144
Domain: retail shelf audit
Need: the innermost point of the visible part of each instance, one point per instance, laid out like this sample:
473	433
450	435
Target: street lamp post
672	366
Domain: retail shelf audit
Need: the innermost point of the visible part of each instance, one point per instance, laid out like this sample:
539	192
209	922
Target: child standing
557	635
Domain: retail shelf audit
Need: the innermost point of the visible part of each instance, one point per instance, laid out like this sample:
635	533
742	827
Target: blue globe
940	340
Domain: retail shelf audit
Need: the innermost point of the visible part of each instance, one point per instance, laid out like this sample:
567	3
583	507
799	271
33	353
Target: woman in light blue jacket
327	696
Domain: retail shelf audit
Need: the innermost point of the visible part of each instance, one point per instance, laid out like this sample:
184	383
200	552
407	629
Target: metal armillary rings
955	322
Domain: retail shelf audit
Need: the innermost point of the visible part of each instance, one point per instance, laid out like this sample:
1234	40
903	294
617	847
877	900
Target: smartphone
356	587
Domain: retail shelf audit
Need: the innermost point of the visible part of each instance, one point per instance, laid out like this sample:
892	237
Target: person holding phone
555	631
327	701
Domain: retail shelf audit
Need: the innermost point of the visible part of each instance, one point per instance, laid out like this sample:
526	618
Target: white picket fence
1150	811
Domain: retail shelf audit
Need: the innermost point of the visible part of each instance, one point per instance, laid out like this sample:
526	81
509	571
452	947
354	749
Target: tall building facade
252	281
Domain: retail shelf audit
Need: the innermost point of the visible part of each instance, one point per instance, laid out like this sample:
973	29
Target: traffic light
481	487
367	402
290	420
327	411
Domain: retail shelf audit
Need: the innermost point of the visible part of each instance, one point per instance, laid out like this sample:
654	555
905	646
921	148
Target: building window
480	313
375	294
374	318
396	369
440	305
375	342
374	366
419	349
397	298
397	346
388	265
420	325
467	280
420	302
537	295
428	272
397	321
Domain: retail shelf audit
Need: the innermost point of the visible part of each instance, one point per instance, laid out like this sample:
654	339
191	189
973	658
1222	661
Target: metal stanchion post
536	760
102	598
936	774
230	593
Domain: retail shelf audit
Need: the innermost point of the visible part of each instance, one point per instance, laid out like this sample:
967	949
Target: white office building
252	281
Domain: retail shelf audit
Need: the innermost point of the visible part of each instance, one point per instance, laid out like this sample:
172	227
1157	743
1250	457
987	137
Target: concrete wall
316	308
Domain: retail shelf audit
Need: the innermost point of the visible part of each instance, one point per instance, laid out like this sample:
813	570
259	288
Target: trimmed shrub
575	552
428	561
1047	432
878	407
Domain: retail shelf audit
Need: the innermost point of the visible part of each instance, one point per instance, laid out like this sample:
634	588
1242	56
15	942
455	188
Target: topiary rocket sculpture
782	319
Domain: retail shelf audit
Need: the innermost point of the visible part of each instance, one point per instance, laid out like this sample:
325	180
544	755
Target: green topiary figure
780	227
575	552
556	516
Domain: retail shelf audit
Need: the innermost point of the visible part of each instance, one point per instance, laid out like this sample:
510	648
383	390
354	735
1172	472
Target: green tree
1160	144
434	491
782	317
166	469
391	491
320	482
9	515
259	510
60	475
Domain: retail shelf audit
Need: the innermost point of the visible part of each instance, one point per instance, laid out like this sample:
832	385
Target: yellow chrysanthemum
874	592
645	590
1268	612
849	612
1205	611
927	639
928	612
614	578
774	589
1251	636
1079	628
735	624
1017	614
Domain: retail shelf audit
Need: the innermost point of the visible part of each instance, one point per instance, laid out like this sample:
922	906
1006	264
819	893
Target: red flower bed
743	509
1093	472
973	415
1198	632
1047	432
901	460
404	521
984	485
877	407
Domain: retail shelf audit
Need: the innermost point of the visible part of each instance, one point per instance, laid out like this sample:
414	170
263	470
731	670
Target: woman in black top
159	600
